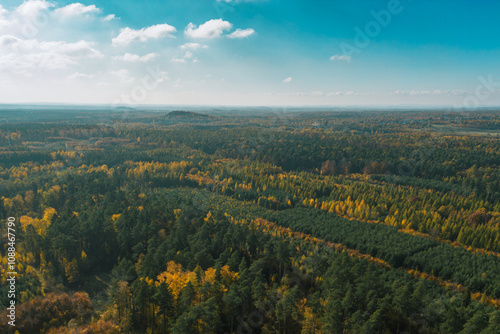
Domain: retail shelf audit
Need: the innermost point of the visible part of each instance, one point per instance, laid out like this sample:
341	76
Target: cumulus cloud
76	9
341	58
287	80
188	56
133	58
31	8
22	56
192	46
241	33
128	35
179	60
161	76
109	17
209	29
33	16
78	75
3	20
123	75
26	55
3	11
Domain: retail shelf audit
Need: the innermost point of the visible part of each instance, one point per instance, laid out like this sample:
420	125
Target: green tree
164	299
333	320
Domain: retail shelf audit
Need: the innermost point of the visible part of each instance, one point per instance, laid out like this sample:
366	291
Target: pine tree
333	317
164	299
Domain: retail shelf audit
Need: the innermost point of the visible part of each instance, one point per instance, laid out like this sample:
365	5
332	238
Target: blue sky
251	52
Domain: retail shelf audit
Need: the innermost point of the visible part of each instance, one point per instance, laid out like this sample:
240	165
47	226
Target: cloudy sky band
248	52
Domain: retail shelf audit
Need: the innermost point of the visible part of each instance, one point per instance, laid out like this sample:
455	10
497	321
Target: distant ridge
123	108
188	115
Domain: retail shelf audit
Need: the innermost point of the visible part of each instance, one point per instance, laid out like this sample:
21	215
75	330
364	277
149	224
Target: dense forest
138	221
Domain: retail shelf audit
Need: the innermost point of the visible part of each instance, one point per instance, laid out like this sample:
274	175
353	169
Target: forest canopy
299	222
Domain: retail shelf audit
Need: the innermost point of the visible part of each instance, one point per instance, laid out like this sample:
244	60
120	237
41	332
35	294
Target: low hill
181	116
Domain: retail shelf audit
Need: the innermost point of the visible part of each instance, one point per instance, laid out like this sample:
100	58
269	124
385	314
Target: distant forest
276	221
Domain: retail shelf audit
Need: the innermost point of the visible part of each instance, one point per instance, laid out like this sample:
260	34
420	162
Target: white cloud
123	75
3	11
188	56
192	46
78	75
420	92
109	17
315	94
341	58
133	58
33	16
3	20
209	29
128	35
287	80
459	92
163	76
179	60
23	56
452	92
348	93
31	8
241	33
76	9
449	92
